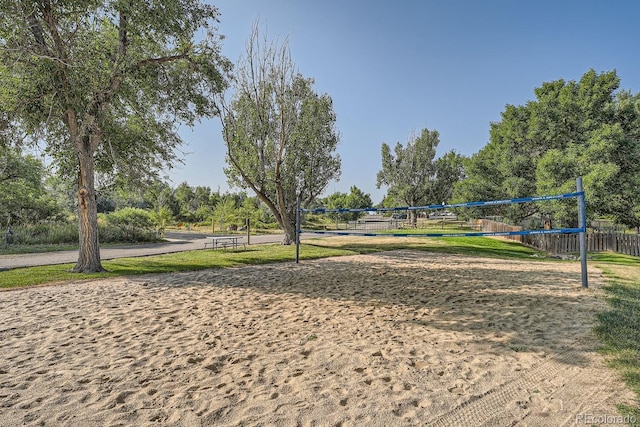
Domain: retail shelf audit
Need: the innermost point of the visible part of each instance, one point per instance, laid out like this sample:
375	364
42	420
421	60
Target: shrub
128	225
131	226
131	218
109	233
48	233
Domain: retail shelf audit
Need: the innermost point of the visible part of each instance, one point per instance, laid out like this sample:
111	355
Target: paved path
176	242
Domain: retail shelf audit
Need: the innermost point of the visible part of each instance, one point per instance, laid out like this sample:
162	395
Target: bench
224	242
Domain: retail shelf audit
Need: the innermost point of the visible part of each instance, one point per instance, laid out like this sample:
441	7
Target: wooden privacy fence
628	244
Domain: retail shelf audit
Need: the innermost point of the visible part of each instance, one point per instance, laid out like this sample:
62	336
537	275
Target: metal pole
248	225
582	223
298	230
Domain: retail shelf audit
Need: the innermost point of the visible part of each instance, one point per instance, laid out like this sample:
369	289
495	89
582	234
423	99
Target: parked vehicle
399	216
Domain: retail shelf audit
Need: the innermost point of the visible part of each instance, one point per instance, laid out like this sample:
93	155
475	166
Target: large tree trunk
289	232
413	217
89	253
288	226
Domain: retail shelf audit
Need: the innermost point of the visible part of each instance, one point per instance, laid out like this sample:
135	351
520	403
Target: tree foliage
355	199
585	128
23	195
414	176
131	218
280	135
105	83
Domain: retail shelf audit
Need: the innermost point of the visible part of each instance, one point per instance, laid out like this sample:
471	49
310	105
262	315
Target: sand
393	338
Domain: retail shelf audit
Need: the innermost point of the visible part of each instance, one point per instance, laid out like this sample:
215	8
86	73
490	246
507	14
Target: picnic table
224	242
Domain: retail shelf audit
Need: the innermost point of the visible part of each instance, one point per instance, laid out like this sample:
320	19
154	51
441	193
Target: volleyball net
431	221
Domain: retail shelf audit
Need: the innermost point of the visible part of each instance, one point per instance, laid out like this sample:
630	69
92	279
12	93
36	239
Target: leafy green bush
161	217
48	233
129	225
130	218
110	233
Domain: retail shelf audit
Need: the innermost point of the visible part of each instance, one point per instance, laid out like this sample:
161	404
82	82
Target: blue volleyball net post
580	230
582	223
298	212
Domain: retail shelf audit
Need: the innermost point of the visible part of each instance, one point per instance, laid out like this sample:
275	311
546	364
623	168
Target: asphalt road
176	242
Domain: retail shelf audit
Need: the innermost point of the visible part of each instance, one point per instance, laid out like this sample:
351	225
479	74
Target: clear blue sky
396	67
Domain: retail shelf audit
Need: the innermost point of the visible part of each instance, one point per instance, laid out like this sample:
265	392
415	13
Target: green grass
43	248
40	248
434	226
262	254
619	327
495	248
169	263
614	258
473	246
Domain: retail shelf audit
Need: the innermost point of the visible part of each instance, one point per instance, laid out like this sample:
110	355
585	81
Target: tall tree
184	195
280	135
161	196
24	197
576	128
104	83
449	171
412	174
355	199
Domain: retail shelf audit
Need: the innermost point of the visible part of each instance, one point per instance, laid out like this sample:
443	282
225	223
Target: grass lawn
30	249
619	327
473	246
169	263
262	254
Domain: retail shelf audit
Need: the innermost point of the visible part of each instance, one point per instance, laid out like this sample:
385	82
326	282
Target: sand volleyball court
393	338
